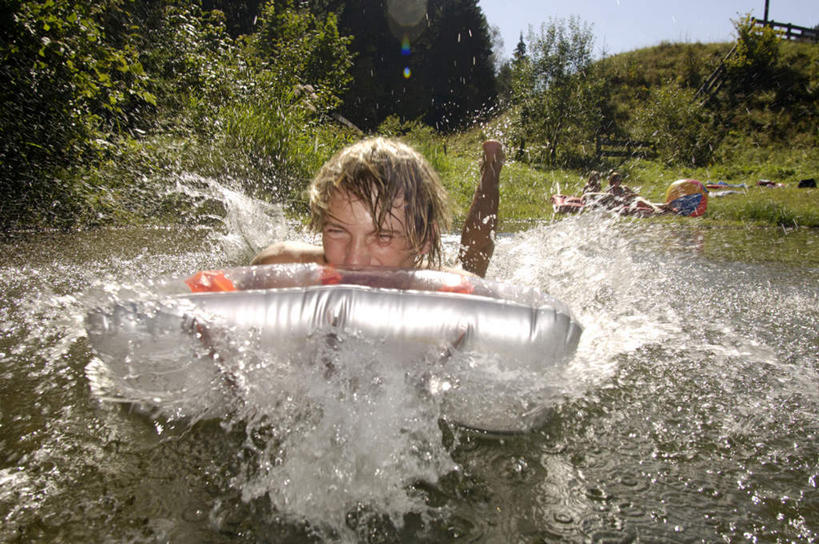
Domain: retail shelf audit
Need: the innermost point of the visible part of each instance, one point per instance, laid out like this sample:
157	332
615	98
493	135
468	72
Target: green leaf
148	97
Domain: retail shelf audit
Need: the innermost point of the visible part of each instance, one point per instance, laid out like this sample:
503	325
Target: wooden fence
791	31
711	85
611	147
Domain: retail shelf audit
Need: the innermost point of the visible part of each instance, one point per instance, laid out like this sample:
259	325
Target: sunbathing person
622	193
593	184
627	201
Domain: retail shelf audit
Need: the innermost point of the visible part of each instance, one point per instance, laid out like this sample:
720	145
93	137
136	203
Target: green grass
273	152
526	190
120	187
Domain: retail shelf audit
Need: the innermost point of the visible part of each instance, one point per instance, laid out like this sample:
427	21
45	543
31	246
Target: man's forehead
348	196
344	204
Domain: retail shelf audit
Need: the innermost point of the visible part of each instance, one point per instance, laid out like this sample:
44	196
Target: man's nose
358	253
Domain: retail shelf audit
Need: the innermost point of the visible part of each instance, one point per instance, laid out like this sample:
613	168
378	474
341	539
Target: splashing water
249	224
689	412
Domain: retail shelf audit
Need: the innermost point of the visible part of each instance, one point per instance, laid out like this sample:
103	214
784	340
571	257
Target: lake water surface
690	412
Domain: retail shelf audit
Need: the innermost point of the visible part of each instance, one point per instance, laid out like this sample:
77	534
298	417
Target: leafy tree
240	15
765	93
520	51
193	64
449	57
506	72
460	63
557	89
497	47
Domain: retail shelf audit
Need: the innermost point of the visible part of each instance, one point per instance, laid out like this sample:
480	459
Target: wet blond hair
379	172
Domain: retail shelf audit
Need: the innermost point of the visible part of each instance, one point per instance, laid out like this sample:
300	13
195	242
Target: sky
625	25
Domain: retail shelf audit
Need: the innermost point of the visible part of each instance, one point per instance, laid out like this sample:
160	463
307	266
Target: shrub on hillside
755	59
682	129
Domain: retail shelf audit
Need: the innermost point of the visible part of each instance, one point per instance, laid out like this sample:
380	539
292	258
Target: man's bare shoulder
459	270
289	252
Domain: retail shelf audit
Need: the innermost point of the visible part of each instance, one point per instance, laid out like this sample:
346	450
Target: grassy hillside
745	156
631	75
273	155
765	139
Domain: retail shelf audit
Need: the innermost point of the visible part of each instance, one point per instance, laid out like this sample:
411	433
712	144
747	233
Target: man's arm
289	252
477	242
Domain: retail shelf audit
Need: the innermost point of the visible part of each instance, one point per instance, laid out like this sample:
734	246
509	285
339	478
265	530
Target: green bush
71	77
194	66
755	58
422	138
683	130
301	49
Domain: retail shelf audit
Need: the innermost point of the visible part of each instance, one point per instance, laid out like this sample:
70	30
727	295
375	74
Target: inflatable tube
503	332
687	197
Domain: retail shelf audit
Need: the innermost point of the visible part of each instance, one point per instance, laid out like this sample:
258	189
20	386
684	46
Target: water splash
691	374
593	261
248	224
345	431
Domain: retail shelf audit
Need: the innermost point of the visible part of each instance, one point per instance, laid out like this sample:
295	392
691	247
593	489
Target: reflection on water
691	415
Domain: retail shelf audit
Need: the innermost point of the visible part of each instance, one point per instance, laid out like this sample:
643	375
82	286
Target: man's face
351	239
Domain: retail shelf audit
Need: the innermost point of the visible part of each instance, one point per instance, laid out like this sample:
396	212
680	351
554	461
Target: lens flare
407	72
406	17
405	46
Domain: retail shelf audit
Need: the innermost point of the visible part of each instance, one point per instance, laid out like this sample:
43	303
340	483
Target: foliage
682	129
782	109
71	75
194	66
462	80
240	15
421	137
771	87
755	57
557	87
282	141
297	48
86	78
105	101
630	76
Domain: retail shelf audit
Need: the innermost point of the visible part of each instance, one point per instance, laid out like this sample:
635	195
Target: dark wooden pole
765	18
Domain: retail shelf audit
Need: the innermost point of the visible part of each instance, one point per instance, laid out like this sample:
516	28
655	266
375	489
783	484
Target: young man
379	203
618	190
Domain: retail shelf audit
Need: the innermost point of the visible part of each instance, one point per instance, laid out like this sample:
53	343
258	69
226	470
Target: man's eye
385	237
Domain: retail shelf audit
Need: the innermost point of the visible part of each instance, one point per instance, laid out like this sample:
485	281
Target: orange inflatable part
464	288
330	276
208	281
215	281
